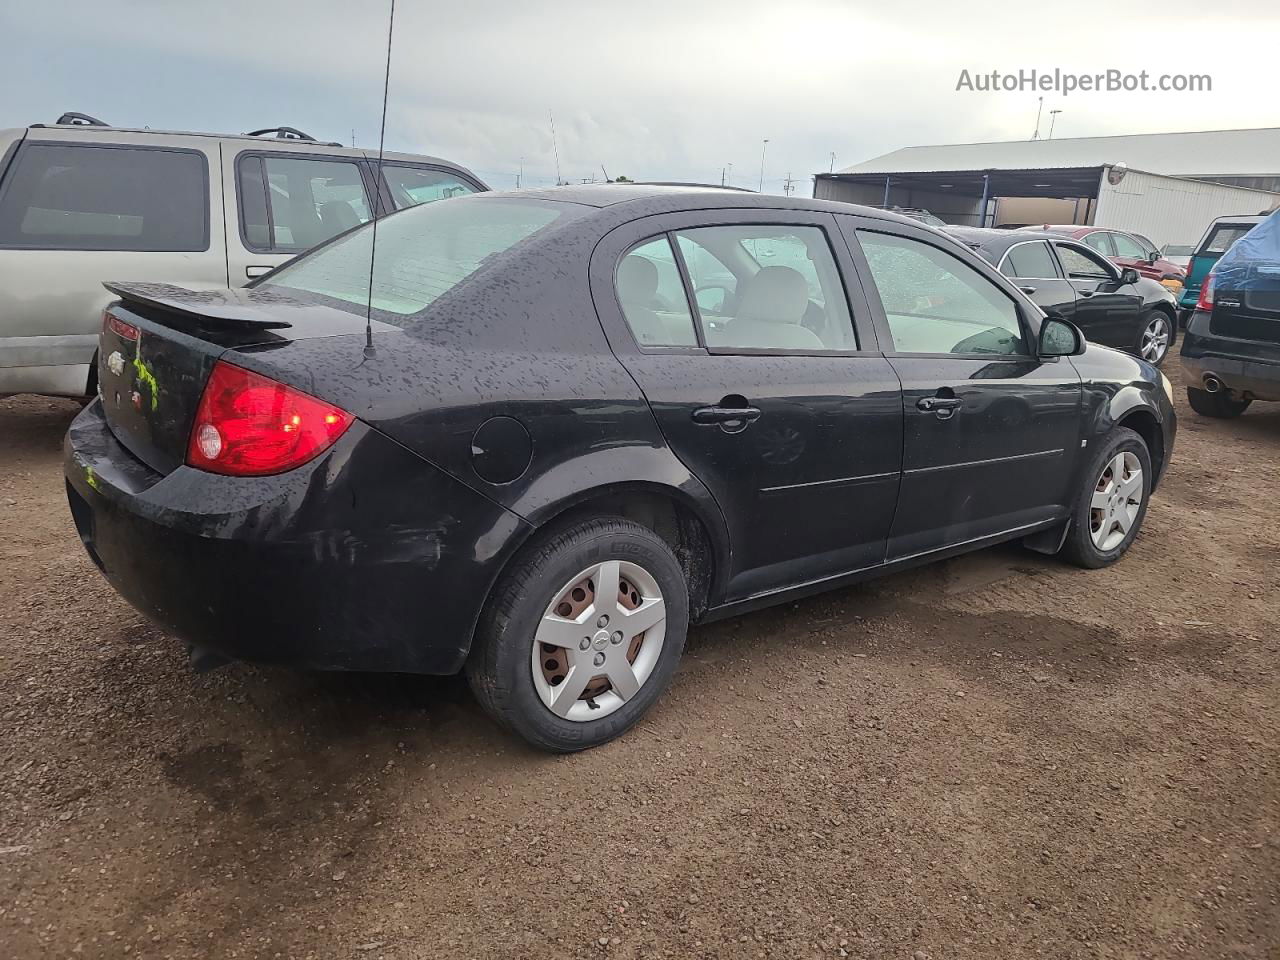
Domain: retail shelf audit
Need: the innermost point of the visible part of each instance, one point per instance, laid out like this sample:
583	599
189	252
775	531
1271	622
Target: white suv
82	202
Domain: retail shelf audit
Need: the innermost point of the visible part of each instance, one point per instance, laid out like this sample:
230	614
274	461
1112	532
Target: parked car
1231	351
1123	248
1217	240
1179	254
524	466
81	202
1111	304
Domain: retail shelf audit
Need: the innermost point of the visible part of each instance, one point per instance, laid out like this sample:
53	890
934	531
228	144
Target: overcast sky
653	89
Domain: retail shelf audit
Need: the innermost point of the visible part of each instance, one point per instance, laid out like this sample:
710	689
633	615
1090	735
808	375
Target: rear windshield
422	253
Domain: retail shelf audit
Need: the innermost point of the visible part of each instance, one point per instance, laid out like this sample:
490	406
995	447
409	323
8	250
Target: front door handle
729	419
1028	290
1086	293
943	408
257	270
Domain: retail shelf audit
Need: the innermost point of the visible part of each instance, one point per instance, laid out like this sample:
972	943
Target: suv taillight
1206	293
249	425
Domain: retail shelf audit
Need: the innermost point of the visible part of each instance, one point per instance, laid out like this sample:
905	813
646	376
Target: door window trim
12	159
366	179
1030	331
1022	243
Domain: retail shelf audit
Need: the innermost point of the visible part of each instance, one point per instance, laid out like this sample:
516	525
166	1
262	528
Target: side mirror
1060	338
1129	275
1153	256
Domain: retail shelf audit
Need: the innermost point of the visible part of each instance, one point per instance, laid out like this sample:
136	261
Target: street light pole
763	147
520	173
1053	119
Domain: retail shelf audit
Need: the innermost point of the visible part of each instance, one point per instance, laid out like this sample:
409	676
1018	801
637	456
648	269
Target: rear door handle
1086	293
928	404
1028	290
729	419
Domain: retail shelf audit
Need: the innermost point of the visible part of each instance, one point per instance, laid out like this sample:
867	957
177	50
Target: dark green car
1217	240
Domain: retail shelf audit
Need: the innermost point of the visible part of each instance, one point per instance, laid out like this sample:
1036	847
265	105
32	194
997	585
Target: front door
991	431
737	326
1106	309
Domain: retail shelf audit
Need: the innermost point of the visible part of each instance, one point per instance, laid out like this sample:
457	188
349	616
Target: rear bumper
367	558
1243	367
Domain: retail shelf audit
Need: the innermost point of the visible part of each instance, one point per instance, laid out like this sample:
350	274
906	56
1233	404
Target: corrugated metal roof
1209	153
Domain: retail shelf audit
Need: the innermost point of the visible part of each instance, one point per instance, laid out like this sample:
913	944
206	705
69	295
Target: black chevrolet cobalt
579	420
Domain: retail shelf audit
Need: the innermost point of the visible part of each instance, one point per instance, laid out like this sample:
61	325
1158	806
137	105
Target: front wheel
1113	502
1158	336
582	635
1221	404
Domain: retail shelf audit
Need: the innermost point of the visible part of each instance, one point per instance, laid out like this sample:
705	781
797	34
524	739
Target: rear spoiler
243	309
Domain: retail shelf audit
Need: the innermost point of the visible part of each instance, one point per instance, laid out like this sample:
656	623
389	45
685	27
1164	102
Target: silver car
82	202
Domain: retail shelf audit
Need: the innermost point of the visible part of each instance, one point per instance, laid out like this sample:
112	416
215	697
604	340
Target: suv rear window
1223	235
422	254
96	197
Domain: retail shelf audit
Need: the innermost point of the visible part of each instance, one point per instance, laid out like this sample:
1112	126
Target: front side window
1081	264
1101	241
422	254
289	204
1029	261
1128	247
935	303
411	186
652	296
82	197
764	287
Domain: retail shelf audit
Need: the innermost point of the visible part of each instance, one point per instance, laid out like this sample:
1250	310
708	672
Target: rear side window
95	197
1030	261
411	186
1101	242
422	254
290	204
652	296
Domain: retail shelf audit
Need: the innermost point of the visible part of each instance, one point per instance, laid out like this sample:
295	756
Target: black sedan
1112	305
572	422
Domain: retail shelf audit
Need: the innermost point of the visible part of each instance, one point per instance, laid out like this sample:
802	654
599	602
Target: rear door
753	344
1107	310
79	209
286	202
991	430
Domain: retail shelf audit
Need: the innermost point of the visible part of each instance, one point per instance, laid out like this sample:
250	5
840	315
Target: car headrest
637	280
775	295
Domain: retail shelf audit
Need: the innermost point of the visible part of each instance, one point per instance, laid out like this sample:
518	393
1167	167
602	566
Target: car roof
996	242
95	131
663	198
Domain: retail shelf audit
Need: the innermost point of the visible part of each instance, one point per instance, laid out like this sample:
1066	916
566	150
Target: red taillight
249	425
125	331
1206	293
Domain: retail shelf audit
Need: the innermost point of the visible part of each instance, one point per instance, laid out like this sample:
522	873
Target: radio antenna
369	352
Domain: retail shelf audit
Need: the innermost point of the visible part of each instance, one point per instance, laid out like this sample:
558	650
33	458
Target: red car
1123	249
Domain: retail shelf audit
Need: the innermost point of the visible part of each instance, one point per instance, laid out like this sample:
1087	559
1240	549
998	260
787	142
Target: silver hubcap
599	640
1155	339
1117	496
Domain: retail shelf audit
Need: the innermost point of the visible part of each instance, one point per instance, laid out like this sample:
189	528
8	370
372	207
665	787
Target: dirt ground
998	756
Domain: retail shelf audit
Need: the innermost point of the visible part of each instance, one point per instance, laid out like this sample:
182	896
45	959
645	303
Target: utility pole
353	138
1036	135
787	185
728	179
520	173
763	147
832	168
556	147
1053	119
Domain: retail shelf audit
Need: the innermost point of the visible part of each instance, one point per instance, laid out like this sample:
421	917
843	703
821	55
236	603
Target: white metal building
1165	186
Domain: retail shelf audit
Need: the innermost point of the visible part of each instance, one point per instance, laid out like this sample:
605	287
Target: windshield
422	253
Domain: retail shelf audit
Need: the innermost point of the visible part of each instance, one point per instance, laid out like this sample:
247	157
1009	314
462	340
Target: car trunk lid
160	342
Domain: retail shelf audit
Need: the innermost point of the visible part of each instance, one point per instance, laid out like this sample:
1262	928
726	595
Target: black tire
1221	404
1079	547
499	668
1170	326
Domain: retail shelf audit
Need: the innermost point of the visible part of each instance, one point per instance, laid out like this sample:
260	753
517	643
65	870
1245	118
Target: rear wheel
1111	507
1221	404
1158	335
582	635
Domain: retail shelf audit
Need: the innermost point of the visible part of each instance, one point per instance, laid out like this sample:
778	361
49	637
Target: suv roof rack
73	119
289	133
